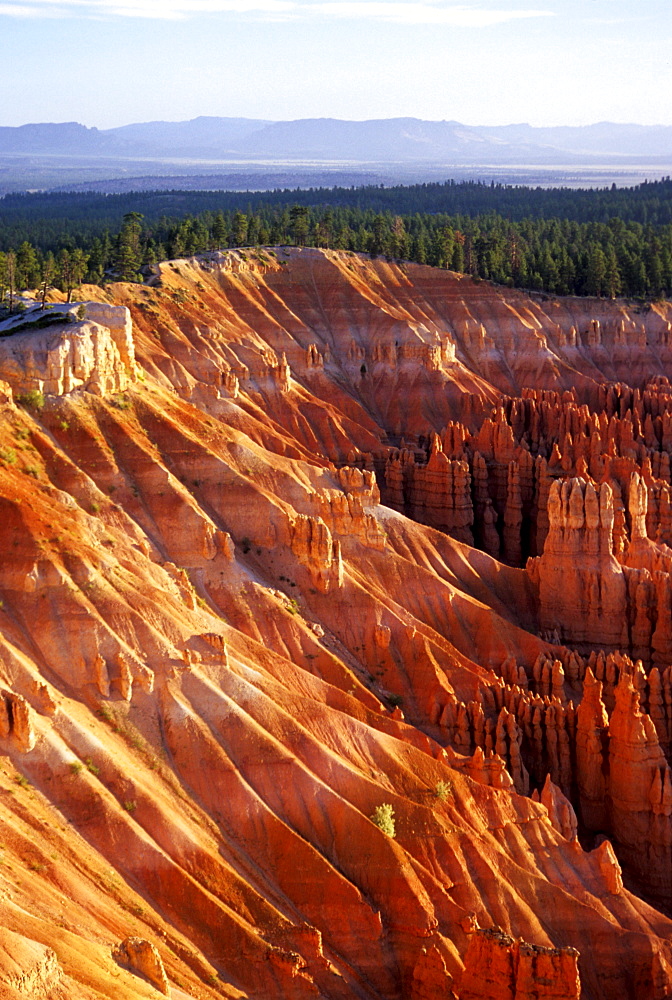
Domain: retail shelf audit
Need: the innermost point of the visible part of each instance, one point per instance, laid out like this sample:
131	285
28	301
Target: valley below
335	638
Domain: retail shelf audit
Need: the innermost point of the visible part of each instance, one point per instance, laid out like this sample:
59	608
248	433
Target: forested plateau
611	242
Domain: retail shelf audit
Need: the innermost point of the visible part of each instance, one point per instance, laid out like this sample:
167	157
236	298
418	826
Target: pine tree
98	260
470	262
298	215
219	232
379	238
612	278
239	230
127	254
27	266
10	262
253	228
457	263
596	270
3	278
47	276
71	268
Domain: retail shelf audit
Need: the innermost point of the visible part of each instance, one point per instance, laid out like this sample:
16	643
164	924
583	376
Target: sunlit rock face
307	535
88	347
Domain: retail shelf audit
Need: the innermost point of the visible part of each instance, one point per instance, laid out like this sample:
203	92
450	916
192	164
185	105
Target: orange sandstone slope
220	654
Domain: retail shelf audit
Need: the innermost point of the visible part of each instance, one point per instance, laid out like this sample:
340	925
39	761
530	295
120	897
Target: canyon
290	535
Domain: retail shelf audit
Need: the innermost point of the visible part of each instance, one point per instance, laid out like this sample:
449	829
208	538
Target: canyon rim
335	638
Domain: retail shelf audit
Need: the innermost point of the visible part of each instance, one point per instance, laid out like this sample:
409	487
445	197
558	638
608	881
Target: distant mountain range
394	140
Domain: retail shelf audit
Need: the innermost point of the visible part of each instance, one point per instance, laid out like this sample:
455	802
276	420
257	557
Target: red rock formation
95	352
144	959
312	543
219	652
640	790
499	968
560	811
15	721
430	977
582	588
591	731
609	867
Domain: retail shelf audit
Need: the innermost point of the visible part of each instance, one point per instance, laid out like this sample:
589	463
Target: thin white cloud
23	10
157	9
403	12
609	20
424	13
184	8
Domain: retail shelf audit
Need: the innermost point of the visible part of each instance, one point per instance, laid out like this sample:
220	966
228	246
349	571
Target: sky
492	62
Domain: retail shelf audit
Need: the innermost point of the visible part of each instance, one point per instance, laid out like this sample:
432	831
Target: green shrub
8	456
443	789
106	714
76	766
383	817
32	400
130	805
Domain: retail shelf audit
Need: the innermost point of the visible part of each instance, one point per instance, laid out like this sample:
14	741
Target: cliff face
497	967
220	653
94	351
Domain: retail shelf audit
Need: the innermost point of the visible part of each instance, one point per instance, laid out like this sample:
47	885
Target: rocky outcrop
582	586
528	722
91	348
143	958
640	792
28	968
350	513
498	968
560	811
15	721
431	979
314	547
601	582
610	869
591	734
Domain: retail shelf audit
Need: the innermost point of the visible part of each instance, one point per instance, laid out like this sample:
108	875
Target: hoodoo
335	638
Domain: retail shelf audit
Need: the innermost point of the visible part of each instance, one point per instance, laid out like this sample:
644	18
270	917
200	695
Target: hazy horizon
108	63
471	124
